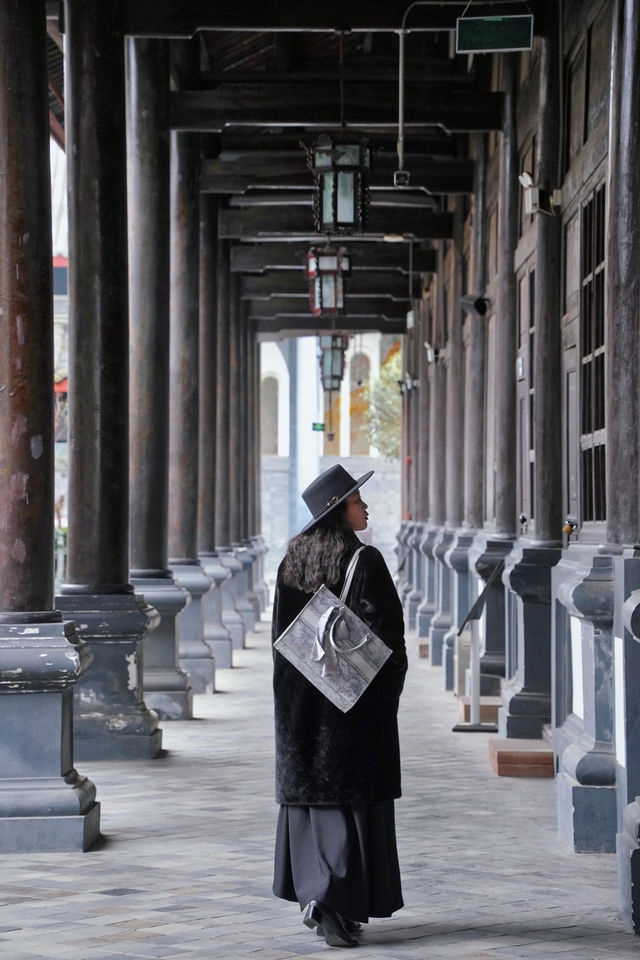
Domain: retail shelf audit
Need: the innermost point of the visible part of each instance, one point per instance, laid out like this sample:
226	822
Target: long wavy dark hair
321	554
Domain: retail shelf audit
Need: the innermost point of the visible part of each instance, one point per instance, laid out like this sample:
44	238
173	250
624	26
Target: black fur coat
324	756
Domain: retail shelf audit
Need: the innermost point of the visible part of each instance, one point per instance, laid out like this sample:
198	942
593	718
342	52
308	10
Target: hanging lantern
341	177
332	350
325	271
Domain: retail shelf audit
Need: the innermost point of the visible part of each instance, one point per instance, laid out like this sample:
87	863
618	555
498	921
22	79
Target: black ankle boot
333	926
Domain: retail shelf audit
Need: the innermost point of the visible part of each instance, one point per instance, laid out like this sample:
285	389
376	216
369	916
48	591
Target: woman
337	774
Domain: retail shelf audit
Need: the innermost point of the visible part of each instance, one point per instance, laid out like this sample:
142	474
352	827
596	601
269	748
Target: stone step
489	707
521	758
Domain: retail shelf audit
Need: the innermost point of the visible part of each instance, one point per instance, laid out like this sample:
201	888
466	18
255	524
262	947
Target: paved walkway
185	867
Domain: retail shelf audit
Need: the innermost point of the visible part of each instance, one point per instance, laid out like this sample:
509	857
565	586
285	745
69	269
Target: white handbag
332	647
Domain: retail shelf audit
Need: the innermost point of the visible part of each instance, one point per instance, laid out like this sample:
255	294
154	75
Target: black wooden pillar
413	597
225	524
426	608
111	718
623	440
41	657
260	584
167	688
216	634
249	556
490	549
527	698
440	540
506	327
195	655
457	554
237	450
475	328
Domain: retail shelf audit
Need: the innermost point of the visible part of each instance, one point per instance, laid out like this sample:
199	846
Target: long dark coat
324	756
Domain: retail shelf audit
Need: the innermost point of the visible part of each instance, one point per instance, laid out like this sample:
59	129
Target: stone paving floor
184	870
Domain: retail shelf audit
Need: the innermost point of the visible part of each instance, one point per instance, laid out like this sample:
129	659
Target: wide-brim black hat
329	490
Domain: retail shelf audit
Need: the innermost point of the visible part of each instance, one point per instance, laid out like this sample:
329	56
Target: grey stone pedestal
415	596
167	688
252	569
216	634
45	805
627	740
628	861
485	554
259	584
406	583
111	720
244	606
526	699
195	655
231	616
441	621
583	712
427	608
457	559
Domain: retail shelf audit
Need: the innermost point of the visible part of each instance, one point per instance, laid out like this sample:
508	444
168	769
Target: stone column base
45	805
111	720
167	688
50	834
523	714
586	815
252	595
244	605
427	609
231	616
216	634
628	860
195	655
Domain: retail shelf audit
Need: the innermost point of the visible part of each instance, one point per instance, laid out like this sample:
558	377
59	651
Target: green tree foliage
383	416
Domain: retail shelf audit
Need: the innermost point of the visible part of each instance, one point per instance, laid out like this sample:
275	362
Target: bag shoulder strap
351	569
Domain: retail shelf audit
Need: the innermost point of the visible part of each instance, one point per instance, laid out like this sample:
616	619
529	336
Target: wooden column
225	463
195	655
422	466
167	688
547	425
216	634
623	441
41	657
236	466
526	707
506	334
474	411
111	718
223	412
623	282
455	382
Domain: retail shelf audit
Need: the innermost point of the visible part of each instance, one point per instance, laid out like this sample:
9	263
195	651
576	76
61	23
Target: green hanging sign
318	426
494	34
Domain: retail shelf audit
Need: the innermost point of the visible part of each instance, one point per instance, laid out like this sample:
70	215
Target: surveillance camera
401	178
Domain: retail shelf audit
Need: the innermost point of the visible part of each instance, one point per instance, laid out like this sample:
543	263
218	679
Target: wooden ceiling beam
245	172
429	143
316	73
358	306
277	283
365	257
277	328
296	223
166	18
371	108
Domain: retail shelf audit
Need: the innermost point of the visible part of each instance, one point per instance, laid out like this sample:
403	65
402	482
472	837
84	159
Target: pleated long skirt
344	856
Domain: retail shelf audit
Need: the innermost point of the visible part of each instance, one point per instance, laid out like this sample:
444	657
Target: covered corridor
185	866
